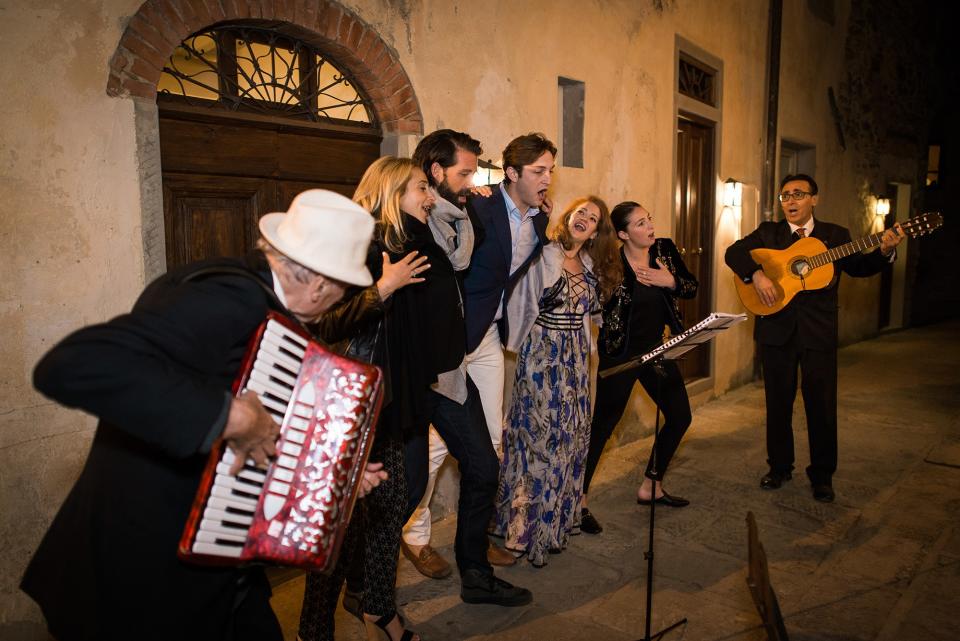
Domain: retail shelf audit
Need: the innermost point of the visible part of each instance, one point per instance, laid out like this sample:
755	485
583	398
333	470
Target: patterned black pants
369	552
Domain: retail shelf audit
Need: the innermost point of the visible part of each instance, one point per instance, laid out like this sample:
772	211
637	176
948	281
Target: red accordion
295	513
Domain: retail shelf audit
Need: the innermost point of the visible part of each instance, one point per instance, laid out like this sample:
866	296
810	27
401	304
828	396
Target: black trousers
464	430
818	371
368	555
612	395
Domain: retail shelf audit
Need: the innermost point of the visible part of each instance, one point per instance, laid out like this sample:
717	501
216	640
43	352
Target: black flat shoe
589	523
666	499
773	480
823	492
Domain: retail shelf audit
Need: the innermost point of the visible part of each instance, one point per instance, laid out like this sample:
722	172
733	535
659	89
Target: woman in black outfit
654	278
369	326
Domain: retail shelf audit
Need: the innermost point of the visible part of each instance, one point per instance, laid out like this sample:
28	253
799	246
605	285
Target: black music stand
673	349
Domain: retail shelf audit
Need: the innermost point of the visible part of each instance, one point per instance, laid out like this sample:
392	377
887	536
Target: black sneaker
589	523
479	587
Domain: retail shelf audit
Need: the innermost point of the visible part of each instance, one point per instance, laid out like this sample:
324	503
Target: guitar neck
847	249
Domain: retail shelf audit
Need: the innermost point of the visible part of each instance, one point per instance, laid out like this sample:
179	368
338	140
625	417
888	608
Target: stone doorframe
159	26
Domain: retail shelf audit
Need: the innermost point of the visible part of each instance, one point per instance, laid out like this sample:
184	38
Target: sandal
380	630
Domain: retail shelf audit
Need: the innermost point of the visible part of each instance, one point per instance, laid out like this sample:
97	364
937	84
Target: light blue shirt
523	237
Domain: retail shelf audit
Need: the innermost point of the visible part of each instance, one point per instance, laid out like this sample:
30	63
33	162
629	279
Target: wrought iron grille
697	81
260	70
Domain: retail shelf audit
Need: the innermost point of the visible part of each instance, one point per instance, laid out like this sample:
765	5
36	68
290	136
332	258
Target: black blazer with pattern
614	339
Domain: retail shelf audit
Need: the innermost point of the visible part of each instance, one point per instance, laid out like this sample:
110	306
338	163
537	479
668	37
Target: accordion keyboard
230	511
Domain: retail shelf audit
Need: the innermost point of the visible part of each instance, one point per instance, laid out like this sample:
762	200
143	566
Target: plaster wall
71	243
78	168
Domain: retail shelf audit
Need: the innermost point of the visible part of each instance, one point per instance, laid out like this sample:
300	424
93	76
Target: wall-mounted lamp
883	206
487	173
732	193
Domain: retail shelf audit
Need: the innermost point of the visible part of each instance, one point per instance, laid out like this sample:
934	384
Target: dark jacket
812	314
614	340
488	279
159	379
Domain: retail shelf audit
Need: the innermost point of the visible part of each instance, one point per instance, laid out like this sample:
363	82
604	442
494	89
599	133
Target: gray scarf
451	230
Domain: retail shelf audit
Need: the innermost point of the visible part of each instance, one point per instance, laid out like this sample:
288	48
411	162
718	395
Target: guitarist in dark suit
159	380
803	334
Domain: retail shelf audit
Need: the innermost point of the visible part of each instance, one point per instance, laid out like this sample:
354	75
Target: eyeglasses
793	195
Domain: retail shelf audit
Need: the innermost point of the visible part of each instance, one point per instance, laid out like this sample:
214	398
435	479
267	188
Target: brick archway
159	26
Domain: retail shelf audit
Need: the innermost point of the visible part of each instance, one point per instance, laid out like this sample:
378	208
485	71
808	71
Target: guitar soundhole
800	268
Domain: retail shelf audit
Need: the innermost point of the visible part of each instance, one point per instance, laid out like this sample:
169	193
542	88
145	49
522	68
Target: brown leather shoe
428	562
498	556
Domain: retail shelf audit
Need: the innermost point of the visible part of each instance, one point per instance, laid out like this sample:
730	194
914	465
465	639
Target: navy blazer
488	280
812	314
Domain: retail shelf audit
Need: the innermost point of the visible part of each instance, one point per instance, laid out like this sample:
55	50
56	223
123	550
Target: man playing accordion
159	379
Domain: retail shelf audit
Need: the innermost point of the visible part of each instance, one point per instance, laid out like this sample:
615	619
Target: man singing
803	334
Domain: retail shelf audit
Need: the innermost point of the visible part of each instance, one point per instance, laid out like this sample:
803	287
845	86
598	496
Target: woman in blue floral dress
547	434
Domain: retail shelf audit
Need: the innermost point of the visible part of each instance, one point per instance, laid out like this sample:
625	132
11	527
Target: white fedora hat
325	232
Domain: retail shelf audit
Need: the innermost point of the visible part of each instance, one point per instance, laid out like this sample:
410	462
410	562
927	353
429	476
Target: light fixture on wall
882	207
487	173
732	193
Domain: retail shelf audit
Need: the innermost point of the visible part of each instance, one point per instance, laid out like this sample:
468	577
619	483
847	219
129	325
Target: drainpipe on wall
768	185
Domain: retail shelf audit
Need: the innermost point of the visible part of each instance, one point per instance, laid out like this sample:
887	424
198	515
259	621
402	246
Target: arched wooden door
250	116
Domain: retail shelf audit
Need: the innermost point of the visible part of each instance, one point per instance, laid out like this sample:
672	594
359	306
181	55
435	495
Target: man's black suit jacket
488	279
159	380
812	315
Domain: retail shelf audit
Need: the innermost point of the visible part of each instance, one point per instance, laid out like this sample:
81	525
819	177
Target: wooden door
221	173
694	192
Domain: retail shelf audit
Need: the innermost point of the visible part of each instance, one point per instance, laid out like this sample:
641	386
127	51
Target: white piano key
240	502
285	339
277	345
218	537
270	403
264	382
239	484
274	373
224	505
229	458
214	549
275	359
256	476
216	526
226	517
274	326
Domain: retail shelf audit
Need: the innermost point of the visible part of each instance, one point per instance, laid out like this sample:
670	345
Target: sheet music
679	345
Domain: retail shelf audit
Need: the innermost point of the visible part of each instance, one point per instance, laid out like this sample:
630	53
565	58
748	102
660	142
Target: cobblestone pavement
882	562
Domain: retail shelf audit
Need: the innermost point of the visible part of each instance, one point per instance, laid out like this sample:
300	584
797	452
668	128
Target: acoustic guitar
808	264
